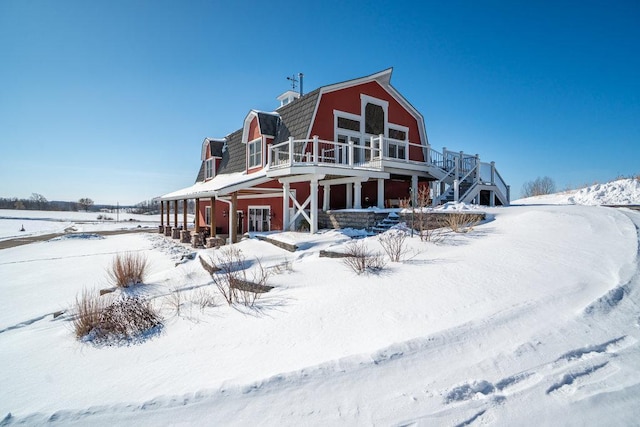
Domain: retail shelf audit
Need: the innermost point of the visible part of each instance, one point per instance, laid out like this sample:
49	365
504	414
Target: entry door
259	218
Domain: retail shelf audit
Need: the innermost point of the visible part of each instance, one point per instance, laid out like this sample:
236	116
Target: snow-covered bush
106	320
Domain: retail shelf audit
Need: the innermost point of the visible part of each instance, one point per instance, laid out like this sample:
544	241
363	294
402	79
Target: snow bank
620	192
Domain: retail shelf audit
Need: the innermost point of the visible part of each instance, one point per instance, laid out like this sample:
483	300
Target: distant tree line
39	202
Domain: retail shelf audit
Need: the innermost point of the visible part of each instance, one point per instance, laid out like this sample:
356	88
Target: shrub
88	312
360	259
461	222
393	243
128	269
104	320
230	277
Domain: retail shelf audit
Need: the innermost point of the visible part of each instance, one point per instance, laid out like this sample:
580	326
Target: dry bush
209	268
538	187
110	321
128	269
461	222
88	311
284	267
203	298
174	301
360	259
393	243
231	278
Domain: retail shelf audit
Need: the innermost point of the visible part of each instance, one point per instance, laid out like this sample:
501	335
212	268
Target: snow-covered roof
219	186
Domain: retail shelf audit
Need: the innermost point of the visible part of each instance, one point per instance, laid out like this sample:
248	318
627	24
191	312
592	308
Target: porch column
380	193
168	213
233	218
162	214
414	190
349	195
184	214
357	195
175	213
492	198
313	227
197	222
326	197
285	207
213	217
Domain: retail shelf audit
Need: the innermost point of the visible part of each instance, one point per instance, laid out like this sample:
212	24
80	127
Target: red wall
348	100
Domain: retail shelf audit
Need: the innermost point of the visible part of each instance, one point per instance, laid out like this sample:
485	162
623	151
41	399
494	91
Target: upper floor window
208	169
373	119
344	123
255	153
397	134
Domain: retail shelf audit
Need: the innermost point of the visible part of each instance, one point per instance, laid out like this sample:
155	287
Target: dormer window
208	169
255	153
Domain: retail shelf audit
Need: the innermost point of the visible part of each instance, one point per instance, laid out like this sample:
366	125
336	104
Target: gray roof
268	123
295	118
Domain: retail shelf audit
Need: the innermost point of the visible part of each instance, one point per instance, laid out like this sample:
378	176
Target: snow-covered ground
532	318
619	192
46	222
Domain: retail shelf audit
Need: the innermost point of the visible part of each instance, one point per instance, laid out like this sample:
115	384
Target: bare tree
538	187
85	203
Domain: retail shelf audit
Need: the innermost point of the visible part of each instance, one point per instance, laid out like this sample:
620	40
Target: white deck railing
370	154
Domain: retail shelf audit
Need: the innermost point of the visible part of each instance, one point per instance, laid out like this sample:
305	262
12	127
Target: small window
344	123
373	119
255	153
397	134
208	169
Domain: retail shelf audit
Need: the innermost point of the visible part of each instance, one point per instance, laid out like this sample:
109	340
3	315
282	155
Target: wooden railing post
269	155
445	166
315	149
350	152
477	168
290	150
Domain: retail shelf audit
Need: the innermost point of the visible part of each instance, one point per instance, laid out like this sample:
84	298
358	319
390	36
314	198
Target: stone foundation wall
349	219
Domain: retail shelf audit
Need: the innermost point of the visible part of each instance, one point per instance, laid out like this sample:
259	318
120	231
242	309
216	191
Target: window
373	119
349	124
208	169
259	218
397	134
207	215
255	153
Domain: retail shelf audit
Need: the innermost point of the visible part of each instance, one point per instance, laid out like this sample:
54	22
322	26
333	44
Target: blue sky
112	99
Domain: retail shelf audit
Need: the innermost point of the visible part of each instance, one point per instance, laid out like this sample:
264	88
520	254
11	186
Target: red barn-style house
358	144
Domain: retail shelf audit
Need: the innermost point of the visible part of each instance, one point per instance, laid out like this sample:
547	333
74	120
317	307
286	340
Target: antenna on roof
293	81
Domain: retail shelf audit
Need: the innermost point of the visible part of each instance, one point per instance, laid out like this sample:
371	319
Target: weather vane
295	80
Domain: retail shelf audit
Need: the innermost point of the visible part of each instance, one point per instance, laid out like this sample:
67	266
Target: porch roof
221	185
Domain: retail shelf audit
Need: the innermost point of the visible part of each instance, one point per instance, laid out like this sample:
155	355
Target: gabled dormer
258	131
212	152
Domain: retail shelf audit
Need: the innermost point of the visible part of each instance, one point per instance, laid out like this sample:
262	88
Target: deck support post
357	195
414	191
185	204
313	226
456	190
161	229
326	197
380	193
285	206
349	195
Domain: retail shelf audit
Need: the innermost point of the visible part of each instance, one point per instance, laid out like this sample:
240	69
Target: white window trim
213	168
366	99
249	144
400	128
258	207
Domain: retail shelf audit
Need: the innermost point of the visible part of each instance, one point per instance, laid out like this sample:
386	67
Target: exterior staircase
384	225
